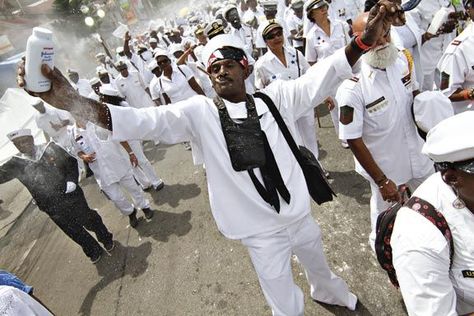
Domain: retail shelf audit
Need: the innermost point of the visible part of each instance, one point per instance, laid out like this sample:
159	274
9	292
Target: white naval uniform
133	88
177	88
246	36
53	116
421	255
144	173
238	209
319	45
431	50
249	15
345	9
141	64
458	63
381	101
112	168
269	68
409	36
294	23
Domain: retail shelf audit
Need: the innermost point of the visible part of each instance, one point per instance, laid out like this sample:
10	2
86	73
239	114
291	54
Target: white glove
70	187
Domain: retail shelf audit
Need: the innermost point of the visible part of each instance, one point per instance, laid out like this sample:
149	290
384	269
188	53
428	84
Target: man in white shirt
457	68
132	87
270	233
294	23
54	123
376	121
432	50
155	83
238	29
270	11
81	85
434	279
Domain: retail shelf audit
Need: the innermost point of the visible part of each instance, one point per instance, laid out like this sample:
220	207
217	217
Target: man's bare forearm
363	155
85	109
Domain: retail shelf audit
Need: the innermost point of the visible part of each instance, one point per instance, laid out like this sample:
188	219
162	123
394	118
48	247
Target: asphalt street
178	263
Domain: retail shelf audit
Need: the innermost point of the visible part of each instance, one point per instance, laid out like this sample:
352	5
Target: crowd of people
400	91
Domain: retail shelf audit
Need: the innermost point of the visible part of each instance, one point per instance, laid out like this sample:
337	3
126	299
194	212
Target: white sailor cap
269	4
218	42
19	133
297	4
315	4
159	52
430	108
101	70
99	55
227	9
94	81
119	50
173	48
152	40
451	142
108	90
152	65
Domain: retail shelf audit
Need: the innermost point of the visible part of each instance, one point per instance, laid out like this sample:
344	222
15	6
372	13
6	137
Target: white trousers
144	172
378	205
308	133
115	192
271	257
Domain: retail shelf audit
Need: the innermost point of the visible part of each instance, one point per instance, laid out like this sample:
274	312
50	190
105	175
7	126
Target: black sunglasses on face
274	34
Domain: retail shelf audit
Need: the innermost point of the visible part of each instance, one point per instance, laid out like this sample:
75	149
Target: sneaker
148	212
109	246
133	218
344	144
158	186
96	258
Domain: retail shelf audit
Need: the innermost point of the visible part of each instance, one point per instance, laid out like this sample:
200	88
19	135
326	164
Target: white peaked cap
108	90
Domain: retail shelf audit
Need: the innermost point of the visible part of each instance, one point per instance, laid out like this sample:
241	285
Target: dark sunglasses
271	36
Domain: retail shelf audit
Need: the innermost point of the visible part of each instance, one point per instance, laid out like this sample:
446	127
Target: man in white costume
376	120
131	86
271	234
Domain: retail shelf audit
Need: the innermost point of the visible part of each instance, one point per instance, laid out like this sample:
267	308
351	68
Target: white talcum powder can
39	50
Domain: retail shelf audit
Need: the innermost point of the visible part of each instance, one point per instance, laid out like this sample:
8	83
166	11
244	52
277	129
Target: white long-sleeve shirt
238	209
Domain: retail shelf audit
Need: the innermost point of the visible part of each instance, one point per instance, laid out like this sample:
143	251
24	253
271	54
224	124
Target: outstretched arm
64	97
